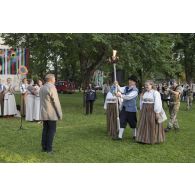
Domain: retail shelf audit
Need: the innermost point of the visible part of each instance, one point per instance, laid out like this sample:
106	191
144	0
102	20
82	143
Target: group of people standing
30	100
149	129
187	93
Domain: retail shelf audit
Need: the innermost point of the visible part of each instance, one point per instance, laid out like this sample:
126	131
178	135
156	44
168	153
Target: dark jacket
90	95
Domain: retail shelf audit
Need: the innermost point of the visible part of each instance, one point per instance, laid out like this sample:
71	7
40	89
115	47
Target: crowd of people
153	99
187	93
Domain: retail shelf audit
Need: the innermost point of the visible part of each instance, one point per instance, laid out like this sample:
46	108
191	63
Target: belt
111	100
145	100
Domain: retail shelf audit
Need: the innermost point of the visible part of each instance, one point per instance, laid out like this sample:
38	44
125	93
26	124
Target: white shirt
152	97
129	96
23	88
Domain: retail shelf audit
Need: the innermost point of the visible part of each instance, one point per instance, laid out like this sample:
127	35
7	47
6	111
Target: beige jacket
49	102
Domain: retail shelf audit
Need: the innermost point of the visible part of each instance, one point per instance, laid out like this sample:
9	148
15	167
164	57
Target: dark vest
130	105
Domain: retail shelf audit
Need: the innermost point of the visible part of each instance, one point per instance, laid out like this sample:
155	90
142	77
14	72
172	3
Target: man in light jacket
51	112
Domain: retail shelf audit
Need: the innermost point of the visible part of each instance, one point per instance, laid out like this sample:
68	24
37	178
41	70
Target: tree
184	52
77	56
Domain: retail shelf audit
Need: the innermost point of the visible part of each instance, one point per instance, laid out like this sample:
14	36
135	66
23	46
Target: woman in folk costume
36	110
9	99
30	97
149	130
111	111
23	91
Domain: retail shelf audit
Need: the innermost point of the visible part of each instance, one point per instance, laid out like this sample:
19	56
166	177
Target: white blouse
152	97
110	98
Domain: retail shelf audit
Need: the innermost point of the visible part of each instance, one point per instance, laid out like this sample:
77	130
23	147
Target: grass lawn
81	138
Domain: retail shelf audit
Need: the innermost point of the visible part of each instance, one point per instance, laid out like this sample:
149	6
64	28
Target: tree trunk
188	68
56	68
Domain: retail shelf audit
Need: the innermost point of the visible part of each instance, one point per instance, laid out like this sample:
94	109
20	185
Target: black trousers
89	106
105	94
128	117
49	129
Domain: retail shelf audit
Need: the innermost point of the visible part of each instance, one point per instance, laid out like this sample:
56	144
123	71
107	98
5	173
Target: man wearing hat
175	92
129	108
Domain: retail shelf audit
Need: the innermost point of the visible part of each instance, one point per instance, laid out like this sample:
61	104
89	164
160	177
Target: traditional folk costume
2	89
111	112
149	130
129	109
36	110
23	90
9	101
29	103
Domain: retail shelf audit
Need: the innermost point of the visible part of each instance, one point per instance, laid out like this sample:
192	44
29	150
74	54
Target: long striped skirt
149	130
112	120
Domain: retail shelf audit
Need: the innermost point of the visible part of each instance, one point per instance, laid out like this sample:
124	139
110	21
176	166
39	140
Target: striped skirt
149	130
112	120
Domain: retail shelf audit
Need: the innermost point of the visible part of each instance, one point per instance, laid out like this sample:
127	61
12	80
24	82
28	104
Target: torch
114	59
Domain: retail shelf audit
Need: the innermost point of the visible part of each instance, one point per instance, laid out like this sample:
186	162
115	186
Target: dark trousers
89	106
105	94
49	129
128	117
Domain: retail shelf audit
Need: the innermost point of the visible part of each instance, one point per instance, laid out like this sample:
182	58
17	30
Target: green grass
81	138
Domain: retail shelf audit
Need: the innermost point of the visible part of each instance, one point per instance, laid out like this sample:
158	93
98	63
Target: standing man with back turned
50	110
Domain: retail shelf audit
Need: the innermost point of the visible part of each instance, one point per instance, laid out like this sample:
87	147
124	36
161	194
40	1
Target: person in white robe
36	111
30	99
9	99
